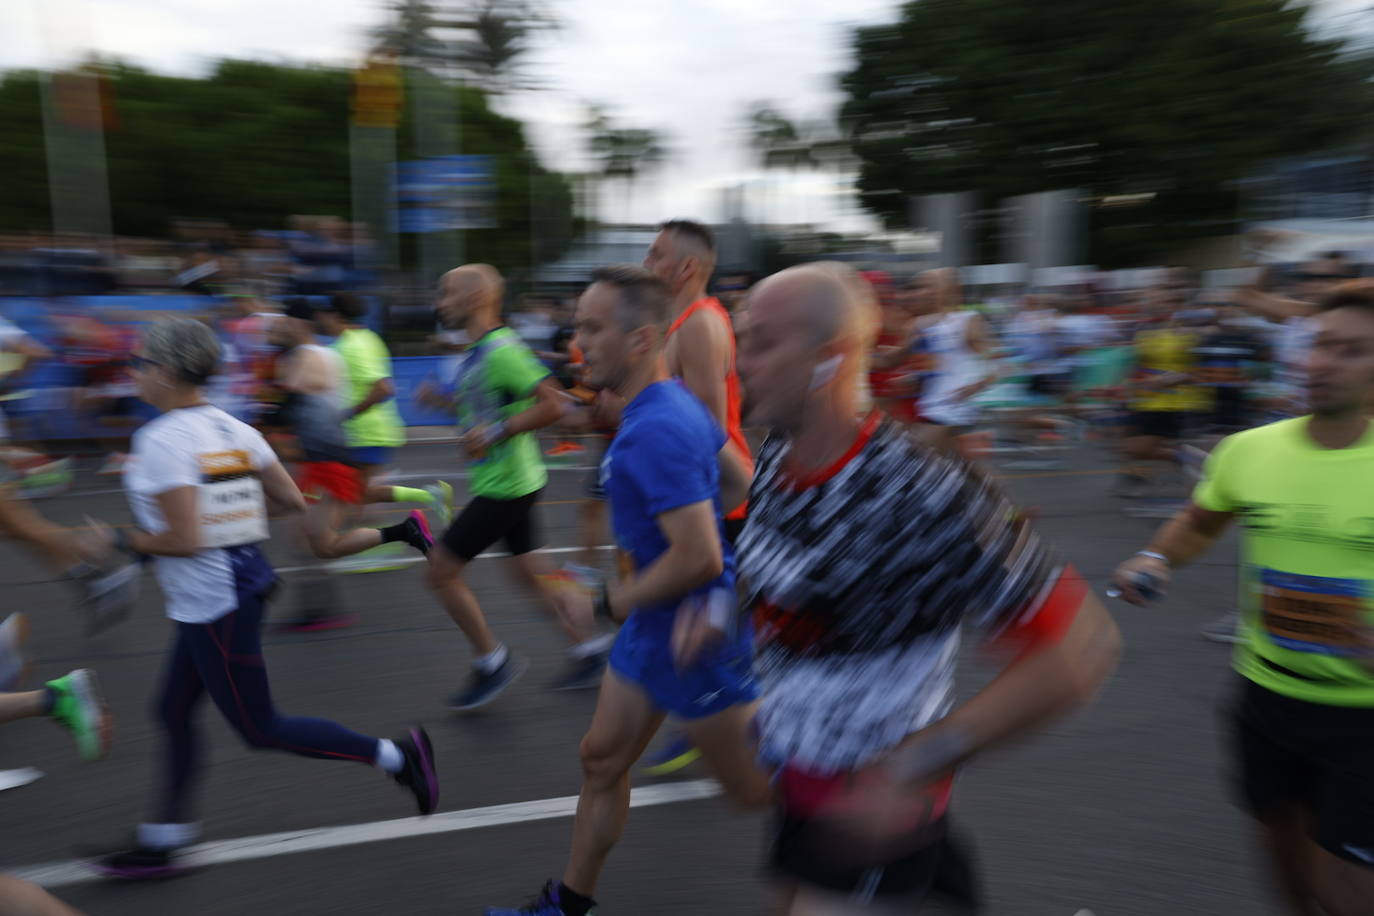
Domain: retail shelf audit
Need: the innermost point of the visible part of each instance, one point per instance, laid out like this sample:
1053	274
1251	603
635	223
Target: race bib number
233	510
1315	614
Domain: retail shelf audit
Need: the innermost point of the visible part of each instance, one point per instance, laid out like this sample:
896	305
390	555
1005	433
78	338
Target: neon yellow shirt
367	360
1167	350
1307	559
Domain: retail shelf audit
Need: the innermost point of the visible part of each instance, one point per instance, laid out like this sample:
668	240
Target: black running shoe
141	863
581	674
419	774
485	687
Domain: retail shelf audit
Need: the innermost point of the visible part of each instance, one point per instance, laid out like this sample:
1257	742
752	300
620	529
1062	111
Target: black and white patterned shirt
859	580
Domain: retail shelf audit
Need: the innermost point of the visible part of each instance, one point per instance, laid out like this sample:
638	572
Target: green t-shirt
367	360
1307	558
496	380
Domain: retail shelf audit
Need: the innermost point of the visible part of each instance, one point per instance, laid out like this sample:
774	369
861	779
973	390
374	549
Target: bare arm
735	476
382	390
548	407
1181	540
702	355
693	558
283	496
182	538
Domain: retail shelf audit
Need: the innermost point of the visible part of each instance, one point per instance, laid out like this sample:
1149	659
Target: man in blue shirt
680	651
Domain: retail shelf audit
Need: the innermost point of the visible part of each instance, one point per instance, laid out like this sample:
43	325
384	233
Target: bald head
468	290
810	328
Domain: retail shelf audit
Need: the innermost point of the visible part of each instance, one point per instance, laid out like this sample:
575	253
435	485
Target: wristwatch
1154	555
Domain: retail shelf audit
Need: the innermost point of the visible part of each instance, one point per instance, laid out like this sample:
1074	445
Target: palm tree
495	36
776	141
623	153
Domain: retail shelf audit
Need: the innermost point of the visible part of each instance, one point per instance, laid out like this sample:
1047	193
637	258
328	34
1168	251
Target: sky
686	68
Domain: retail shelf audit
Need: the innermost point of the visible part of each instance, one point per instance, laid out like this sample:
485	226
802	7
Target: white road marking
13	779
268	845
398	561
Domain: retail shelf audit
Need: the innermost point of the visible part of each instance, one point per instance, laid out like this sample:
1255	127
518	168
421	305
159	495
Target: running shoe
1225	628
14	639
546	904
114	464
418	534
590	577
441	491
676	755
110	595
564	448
485	687
581	674
419	774
79	707
47	479
141	863
382	558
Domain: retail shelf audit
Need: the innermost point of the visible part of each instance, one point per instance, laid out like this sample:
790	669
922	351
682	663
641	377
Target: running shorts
484	521
1290	752
318	479
721	678
1165	424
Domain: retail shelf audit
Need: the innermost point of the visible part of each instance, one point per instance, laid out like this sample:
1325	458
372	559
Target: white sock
492	660
389	756
597	645
167	836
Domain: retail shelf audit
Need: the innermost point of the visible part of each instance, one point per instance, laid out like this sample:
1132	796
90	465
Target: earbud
824	372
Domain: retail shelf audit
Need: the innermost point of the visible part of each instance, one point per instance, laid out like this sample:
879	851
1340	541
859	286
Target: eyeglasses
141	363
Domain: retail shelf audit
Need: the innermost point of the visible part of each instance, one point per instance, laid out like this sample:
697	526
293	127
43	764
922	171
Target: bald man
864	555
501	395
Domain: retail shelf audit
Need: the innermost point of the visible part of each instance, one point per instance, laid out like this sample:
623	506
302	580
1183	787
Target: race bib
1315	614
233	509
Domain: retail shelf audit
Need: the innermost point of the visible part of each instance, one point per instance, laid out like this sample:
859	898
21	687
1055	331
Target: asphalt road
1122	810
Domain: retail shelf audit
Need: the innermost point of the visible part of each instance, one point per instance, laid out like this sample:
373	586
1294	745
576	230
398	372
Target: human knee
602	766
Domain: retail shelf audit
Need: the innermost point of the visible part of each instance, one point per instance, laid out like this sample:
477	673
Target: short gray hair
186	347
644	298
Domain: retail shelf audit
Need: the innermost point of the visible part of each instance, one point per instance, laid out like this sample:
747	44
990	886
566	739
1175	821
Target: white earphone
825	371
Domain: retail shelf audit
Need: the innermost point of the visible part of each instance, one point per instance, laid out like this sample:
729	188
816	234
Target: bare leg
446	580
593	529
724	742
623	725
25	705
1285	842
322	523
1342	888
527	568
20	898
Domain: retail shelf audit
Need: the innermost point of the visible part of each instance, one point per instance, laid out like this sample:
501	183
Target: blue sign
443	193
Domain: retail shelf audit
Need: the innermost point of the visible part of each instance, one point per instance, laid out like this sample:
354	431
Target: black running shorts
484	521
1165	424
1321	758
805	852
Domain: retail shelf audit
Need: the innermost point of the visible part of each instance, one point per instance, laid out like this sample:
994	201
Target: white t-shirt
166	455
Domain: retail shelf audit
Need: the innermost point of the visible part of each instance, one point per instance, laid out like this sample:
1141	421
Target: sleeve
1213	492
261	453
668	470
513	369
161	463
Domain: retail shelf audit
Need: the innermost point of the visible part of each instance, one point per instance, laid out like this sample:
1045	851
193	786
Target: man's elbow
1093	661
711	565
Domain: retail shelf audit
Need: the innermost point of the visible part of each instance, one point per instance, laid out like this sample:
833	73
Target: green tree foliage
1176	98
253	143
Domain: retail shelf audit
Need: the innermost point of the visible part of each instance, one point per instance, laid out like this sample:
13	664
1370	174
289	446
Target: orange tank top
732	399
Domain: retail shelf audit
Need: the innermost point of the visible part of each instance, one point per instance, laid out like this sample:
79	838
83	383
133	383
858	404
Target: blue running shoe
485	687
678	753
546	904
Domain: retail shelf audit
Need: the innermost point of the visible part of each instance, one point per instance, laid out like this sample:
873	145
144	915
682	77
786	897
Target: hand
575	610
95	542
477	441
693	632
876	816
1124	579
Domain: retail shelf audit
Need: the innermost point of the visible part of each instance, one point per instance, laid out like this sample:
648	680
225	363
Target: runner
72	701
1165	392
312	377
217	581
863	556
1303	712
372	421
666	490
700	350
502	395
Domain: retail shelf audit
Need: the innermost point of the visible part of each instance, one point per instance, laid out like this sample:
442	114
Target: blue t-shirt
663	458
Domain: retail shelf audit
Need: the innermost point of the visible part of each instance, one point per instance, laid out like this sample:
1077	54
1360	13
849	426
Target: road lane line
269	845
